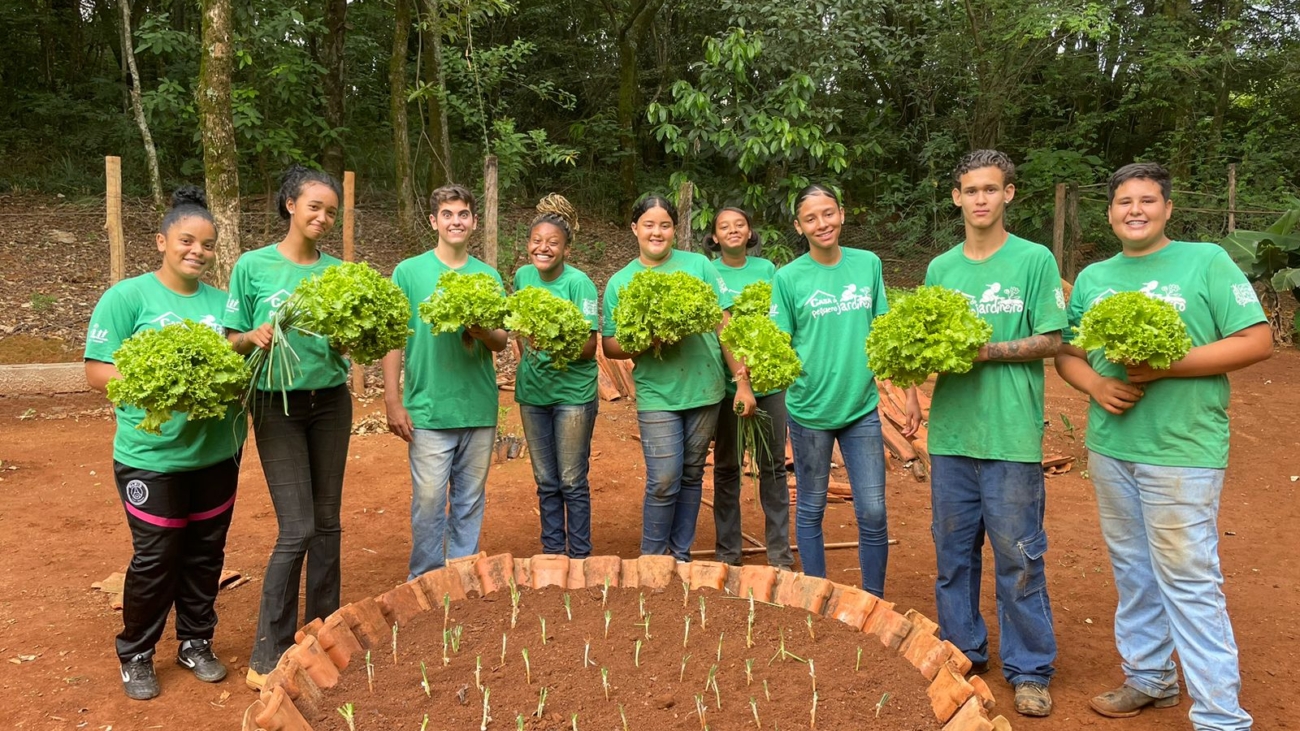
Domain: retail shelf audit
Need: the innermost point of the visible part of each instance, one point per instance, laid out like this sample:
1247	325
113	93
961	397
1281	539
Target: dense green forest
603	99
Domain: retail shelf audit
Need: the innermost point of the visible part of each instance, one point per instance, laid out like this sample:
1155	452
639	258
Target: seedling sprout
528	669
424	681
681	676
704	622
811	634
478	672
568	610
370	673
486	708
608	615
858	663
541	702
749	672
687	635
394	643
753	707
543	621
348	714
604	681
883	700
636	653
720	636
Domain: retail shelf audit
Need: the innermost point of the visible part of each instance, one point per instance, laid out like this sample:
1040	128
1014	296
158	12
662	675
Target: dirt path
61	528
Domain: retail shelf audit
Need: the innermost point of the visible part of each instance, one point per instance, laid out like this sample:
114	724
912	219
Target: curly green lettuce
754	299
931	330
552	324
764	349
465	300
1132	328
184	367
664	307
357	309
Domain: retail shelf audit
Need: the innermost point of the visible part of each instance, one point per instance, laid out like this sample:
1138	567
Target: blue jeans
1161	528
864	458
675	445
971	498
447	465
559	442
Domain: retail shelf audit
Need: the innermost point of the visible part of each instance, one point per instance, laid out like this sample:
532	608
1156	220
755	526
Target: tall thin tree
436	129
332	59
133	83
216	120
406	216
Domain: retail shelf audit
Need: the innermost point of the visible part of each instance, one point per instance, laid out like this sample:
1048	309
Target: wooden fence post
490	210
113	222
1058	229
1075	234
350	254
1232	197
685	200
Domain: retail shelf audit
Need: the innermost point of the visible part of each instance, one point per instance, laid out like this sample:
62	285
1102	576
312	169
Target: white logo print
1245	294
97	334
589	307
167	318
1169	293
232	305
1060	298
277	299
211	321
137	492
852	298
995	300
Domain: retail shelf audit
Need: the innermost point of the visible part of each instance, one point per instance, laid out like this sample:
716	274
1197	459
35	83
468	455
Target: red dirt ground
61	528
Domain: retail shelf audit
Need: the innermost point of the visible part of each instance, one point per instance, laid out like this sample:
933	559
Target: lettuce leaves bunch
765	349
1133	327
357	309
464	300
664	307
931	330
186	367
552	324
754	299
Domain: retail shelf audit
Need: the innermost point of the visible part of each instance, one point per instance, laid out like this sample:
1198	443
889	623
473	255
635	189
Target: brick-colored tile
340	643
850	605
657	572
495	572
549	571
368	623
402	604
711	574
440	583
465	569
598	568
948	692
971	717
806	592
577	574
279	714
761	580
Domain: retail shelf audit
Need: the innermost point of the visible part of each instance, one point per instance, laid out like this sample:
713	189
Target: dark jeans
559	442
675	445
972	498
864	459
178	524
303	456
773	491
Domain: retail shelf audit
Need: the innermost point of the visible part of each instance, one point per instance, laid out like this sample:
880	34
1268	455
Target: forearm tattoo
1034	347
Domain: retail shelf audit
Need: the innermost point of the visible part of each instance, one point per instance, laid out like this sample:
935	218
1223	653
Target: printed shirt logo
589	308
167	318
232	305
137	492
212	322
852	298
1245	294
97	333
277	299
1171	293
1060	297
995	300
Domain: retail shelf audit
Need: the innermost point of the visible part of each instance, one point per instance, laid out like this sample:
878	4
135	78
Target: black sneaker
138	678
197	656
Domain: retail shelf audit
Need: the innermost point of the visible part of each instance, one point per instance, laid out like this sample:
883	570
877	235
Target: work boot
138	678
1127	702
198	657
1032	699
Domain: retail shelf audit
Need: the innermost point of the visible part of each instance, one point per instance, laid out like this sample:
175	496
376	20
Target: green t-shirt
536	382
734	280
260	282
144	303
1178	422
828	312
995	411
448	386
688	374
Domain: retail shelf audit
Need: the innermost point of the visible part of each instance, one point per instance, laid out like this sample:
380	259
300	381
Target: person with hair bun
177	487
678	390
731	237
558	408
302	424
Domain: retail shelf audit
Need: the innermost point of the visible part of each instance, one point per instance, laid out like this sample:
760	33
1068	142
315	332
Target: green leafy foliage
1134	328
361	312
552	324
185	367
666	308
932	330
764	349
754	299
465	300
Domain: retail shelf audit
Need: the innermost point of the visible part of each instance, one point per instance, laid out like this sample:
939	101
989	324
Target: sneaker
1127	702
138	678
197	656
1032	699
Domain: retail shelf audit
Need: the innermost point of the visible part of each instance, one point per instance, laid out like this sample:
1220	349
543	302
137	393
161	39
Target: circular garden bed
550	643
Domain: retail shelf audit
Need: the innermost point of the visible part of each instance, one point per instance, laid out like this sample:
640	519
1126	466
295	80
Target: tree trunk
630	33
220	161
436	130
150	152
406	218
332	59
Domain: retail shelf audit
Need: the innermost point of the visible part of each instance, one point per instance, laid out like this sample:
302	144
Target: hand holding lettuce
932	330
552	324
1134	328
656	309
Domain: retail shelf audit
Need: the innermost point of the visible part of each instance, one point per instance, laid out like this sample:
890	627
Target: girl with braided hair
558	407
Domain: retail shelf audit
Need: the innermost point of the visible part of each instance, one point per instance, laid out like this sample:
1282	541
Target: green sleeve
515	284
1234	305
1047	302
242	302
880	302
929	274
611	301
586	291
112	322
710	275
1075	309
782	312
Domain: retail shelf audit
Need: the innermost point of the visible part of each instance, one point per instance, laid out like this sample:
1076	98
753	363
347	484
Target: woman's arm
589	349
1112	394
99	373
495	340
739	373
245	342
614	351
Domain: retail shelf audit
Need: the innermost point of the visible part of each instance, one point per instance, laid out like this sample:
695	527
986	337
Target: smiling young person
732	236
826	299
1158	451
445	408
178	487
988	479
678	390
302	425
558	408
